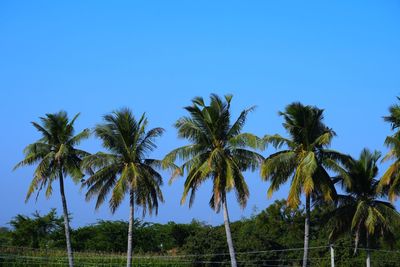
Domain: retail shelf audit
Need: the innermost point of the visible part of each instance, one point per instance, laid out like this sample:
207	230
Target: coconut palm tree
304	159
125	168
56	157
361	210
217	151
391	178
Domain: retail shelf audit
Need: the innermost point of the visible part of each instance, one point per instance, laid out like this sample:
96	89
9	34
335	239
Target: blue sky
155	56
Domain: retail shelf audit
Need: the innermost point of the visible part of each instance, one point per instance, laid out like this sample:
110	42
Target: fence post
332	255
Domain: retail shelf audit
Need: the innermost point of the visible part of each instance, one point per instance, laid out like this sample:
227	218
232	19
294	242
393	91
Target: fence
324	256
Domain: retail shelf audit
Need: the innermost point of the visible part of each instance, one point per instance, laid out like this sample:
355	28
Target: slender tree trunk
356	240
66	221
306	231
130	229
368	252
228	233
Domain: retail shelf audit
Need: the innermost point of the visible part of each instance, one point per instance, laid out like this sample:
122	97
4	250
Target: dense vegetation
219	151
276	228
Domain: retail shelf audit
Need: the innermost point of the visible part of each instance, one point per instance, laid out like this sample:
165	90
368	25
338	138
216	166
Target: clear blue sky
155	56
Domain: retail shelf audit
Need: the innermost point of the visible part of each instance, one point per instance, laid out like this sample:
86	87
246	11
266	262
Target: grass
18	257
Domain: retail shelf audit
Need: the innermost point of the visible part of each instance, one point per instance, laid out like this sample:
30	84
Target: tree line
266	238
269	235
220	151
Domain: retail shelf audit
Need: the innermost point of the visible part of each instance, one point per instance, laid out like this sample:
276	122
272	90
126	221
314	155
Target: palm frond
246	140
278	141
237	126
278	168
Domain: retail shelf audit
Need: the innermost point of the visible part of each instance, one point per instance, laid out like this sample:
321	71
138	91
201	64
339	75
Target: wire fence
291	257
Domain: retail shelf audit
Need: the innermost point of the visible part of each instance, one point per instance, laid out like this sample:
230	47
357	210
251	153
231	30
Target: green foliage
394	116
111	236
361	211
305	158
101	236
217	150
5	236
55	152
390	180
125	168
37	231
278	227
279	218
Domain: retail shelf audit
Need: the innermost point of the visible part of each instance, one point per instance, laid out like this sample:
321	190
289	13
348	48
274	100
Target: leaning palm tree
217	151
304	159
391	178
361	210
56	157
125	168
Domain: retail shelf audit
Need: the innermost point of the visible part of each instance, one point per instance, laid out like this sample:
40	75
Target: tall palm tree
56	157
217	151
391	178
304	159
125	169
361	210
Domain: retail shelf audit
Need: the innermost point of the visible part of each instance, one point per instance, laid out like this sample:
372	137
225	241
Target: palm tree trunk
130	229
368	252
228	233
356	240
66	221
306	231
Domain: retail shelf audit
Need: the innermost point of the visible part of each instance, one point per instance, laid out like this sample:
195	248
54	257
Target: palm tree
217	151
305	160
125	169
56	157
361	209
391	178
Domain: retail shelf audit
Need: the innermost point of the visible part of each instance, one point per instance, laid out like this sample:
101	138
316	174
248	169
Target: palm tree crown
126	167
217	150
305	156
54	152
394	116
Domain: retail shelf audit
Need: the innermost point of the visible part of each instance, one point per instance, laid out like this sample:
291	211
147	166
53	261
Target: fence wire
290	257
